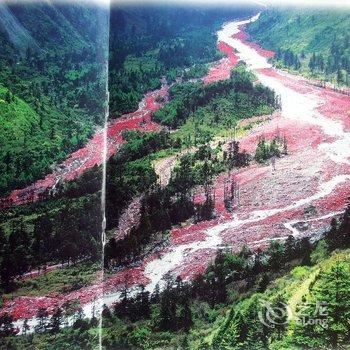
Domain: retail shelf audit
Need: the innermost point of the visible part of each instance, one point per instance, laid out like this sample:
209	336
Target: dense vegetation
65	230
53	72
130	172
222	103
60	280
266	150
65	227
45	116
315	42
220	309
318	291
161	208
50	112
149	42
52	86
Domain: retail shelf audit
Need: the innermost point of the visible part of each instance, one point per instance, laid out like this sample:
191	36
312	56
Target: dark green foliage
205	211
158	213
316	40
130	172
148	42
339	234
53	81
227	101
62	230
242	328
323	310
161	208
197	71
330	296
6	326
289	58
167	312
161	319
137	308
197	168
276	255
270	149
43	322
305	251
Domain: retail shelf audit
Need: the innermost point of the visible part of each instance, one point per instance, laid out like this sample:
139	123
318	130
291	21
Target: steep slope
52	58
300	30
27	139
18	121
148	42
48	26
297	311
309	40
17	34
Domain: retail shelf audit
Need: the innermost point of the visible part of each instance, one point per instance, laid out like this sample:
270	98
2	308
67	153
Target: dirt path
164	166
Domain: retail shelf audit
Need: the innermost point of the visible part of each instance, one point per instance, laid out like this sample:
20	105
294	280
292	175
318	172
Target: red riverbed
80	161
221	70
272	194
92	153
244	38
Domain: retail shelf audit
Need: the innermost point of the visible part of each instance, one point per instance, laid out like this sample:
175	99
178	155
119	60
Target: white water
295	106
296	232
157	269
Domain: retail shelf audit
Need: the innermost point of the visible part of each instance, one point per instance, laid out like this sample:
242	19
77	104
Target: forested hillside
53	57
225	215
148	42
312	41
293	295
66	226
130	172
306	309
51	64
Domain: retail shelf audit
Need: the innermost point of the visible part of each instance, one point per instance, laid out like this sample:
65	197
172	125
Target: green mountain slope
148	42
306	294
303	35
53	26
52	58
30	141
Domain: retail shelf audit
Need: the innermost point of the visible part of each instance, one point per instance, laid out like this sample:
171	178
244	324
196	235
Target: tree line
243	97
161	208
53	100
64	231
169	39
172	308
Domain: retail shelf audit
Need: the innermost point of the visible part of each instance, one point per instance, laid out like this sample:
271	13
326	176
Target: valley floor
273	203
